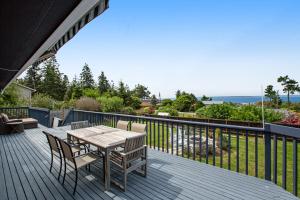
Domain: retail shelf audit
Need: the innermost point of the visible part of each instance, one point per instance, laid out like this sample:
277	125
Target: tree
184	103
33	77
290	86
153	100
103	84
205	98
124	93
178	93
86	77
141	91
52	82
270	92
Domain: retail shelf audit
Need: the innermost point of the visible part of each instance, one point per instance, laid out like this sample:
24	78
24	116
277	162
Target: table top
103	136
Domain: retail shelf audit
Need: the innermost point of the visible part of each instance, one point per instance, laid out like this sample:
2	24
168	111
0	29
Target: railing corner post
267	141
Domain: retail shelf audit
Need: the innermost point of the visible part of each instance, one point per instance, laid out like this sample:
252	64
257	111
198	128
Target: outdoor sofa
16	125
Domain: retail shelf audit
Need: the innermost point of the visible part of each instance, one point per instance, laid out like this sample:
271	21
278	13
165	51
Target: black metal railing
41	114
269	152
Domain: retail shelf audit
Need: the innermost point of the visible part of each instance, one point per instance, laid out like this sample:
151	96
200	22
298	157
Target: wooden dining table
106	138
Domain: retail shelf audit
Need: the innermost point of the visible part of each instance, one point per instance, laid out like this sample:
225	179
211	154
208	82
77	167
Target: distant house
24	92
212	102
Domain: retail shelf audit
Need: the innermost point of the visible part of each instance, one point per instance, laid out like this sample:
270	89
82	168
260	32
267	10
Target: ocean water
251	99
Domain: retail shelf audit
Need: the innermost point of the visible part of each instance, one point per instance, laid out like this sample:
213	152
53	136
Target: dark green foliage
273	96
33	77
86	77
205	98
290	86
153	100
103	84
53	82
184	103
123	92
141	91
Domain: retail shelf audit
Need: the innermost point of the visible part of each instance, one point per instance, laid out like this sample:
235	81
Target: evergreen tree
141	91
33	77
290	86
52	83
103	84
86	77
270	92
153	100
124	92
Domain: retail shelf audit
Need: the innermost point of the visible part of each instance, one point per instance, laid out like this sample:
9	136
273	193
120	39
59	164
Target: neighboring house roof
25	87
32	31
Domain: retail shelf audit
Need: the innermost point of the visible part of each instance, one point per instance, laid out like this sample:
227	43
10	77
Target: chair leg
103	166
60	167
51	161
125	181
65	171
76	179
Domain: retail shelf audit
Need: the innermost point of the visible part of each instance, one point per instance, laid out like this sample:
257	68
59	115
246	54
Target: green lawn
161	139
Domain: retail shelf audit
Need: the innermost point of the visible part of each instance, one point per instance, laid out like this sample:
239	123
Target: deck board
25	163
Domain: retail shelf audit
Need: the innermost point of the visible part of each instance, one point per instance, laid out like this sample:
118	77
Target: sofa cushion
5	118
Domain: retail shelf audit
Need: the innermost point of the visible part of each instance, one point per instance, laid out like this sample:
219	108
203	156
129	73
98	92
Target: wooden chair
139	128
79	124
56	150
133	156
76	162
122	125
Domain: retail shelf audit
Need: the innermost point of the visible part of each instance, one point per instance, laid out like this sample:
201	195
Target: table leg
107	169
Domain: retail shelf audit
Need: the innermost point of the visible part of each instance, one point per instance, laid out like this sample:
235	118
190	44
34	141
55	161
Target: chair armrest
14	120
122	154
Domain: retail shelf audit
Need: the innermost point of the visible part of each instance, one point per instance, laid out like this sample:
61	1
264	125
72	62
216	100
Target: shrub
128	110
220	111
135	102
168	109
111	104
184	103
87	103
254	113
43	101
166	102
89	92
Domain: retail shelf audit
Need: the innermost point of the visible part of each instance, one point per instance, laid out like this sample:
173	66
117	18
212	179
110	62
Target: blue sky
212	47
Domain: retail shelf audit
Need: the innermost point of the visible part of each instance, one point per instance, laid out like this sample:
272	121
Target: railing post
267	155
73	117
49	118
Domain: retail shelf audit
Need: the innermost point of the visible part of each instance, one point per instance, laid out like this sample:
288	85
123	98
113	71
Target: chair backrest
122	125
66	150
139	128
80	124
132	144
52	140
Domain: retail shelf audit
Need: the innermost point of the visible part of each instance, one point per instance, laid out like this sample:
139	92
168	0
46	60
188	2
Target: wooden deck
24	174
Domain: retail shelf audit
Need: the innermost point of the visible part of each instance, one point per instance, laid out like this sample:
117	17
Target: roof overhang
33	30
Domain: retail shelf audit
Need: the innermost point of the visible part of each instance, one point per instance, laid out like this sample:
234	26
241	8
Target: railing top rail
41	109
224	126
283	130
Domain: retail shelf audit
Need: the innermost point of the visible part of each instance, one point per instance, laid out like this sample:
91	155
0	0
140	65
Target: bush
166	102
111	104
254	113
135	102
184	103
168	109
89	92
220	111
10	96
128	110
87	103
43	101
